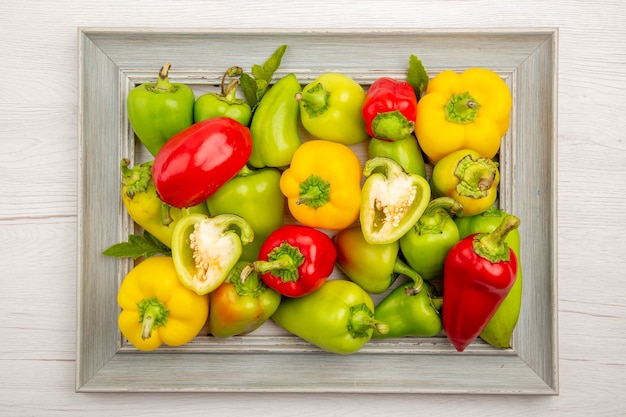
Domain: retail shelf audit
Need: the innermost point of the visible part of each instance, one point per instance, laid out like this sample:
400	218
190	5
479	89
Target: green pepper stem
224	221
163	81
476	177
362	320
392	126
314	192
492	246
229	91
152	315
283	261
437	213
461	108
136	179
248	284
391	168
314	100
401	268
436	303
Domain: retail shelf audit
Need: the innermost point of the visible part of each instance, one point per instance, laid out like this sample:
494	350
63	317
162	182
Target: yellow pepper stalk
470	110
323	185
157	308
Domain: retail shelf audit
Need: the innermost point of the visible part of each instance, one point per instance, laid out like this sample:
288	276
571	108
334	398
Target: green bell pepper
274	126
408	312
406	152
254	195
158	111
499	329
374	267
427	243
226	103
338	317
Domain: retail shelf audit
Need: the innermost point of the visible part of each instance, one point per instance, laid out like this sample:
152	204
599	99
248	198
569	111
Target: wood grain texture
39	182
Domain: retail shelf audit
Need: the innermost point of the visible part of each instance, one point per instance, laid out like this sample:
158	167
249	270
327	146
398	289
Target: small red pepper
479	272
390	109
294	260
193	164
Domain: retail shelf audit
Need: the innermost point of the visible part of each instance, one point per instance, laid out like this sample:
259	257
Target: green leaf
138	246
266	72
255	86
249	88
417	75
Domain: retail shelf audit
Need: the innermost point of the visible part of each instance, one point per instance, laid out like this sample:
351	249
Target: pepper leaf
417	75
255	86
138	246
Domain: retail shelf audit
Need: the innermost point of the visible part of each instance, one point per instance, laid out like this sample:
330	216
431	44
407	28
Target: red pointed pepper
479	272
390	109
295	260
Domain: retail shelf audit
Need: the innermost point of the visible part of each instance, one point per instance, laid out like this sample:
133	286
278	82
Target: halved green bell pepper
392	200
206	248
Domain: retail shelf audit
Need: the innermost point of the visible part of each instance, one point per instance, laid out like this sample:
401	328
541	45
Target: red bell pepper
390	109
294	260
194	163
479	272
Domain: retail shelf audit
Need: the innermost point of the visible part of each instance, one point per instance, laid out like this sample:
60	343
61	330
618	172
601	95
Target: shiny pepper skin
390	109
479	272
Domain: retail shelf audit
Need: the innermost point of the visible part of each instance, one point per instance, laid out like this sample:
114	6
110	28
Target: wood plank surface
38	202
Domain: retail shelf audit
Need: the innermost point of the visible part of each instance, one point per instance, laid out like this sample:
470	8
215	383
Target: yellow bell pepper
470	110
323	185
157	308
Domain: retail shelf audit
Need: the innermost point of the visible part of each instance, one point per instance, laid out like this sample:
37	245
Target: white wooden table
38	201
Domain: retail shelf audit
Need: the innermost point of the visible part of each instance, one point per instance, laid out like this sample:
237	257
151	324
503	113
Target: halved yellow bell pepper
157	308
323	185
470	110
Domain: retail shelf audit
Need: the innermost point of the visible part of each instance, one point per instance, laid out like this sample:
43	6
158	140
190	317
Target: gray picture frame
114	60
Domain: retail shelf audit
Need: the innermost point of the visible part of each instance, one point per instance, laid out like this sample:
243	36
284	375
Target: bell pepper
225	103
144	205
323	184
294	260
427	243
156	308
374	267
330	109
470	110
392	200
159	110
390	109
206	248
410	313
338	317
405	152
254	195
274	125
478	274
197	161
239	307
499	329
469	178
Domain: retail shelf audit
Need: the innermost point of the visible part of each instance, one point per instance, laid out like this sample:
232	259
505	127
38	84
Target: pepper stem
136	179
362	320
314	192
492	246
476	176
461	108
152	315
224	221
163	84
401	268
315	100
283	261
392	126
437	213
